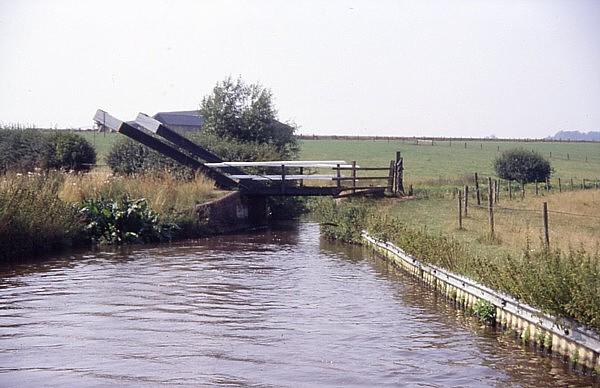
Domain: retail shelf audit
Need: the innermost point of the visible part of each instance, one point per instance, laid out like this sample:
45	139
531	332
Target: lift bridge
282	178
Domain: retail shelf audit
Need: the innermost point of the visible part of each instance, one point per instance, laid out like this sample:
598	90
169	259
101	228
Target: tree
242	112
522	166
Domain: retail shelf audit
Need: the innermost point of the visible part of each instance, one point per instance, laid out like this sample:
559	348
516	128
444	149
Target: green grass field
436	171
102	142
445	161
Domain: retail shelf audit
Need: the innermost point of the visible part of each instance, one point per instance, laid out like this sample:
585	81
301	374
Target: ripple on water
270	309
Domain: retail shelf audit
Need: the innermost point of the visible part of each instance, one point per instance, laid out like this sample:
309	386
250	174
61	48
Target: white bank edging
565	337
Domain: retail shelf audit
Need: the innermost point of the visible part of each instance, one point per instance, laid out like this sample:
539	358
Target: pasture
102	142
437	171
449	162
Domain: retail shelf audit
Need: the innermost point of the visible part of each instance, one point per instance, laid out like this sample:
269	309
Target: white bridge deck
287	163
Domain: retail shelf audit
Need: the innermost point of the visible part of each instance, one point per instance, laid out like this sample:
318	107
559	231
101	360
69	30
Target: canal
275	308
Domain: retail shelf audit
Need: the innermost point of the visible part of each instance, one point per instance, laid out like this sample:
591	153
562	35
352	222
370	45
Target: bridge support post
258	212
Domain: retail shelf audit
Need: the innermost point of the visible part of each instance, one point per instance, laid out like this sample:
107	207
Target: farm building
182	121
192	121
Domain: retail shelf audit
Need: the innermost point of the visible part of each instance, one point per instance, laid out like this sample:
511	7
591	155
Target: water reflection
267	309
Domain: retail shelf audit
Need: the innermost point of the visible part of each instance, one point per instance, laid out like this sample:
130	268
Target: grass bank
43	211
563	282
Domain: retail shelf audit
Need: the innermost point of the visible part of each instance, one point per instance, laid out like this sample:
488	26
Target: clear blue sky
415	68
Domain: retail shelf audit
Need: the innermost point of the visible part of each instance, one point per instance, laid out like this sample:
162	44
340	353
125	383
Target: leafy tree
236	110
522	166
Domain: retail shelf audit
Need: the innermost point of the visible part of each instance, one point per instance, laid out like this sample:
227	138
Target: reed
32	217
40	211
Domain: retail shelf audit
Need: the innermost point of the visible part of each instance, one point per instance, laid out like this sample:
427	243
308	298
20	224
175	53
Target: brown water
279	308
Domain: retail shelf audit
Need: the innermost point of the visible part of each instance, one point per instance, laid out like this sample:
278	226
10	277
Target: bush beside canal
25	150
565	283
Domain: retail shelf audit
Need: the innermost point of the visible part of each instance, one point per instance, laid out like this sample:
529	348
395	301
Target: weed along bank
546	296
562	337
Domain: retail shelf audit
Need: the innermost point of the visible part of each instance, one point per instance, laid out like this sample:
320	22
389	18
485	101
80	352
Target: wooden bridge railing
230	175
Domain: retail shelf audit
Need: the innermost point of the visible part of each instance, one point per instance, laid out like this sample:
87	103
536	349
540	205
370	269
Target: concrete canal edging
560	336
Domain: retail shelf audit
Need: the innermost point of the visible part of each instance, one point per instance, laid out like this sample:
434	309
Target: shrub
233	150
522	166
485	311
123	221
128	157
69	151
23	150
343	221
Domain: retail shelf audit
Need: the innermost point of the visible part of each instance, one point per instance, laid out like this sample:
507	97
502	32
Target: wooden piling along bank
559	336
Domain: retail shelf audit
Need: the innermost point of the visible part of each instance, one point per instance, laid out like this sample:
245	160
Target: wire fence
486	197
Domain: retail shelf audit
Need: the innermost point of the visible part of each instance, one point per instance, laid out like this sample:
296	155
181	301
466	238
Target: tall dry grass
165	194
40	211
32	217
574	221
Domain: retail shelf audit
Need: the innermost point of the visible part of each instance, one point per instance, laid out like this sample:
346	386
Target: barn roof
188	118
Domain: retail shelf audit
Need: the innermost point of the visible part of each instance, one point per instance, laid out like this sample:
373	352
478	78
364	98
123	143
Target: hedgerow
31	149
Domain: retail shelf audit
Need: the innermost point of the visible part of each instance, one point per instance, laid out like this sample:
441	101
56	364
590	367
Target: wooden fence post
353	176
410	190
460	209
400	176
497	185
510	190
559	186
546	231
477	192
571	184
392	171
399	173
583	184
466	200
547	184
537	189
490	207
301	173
338	175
